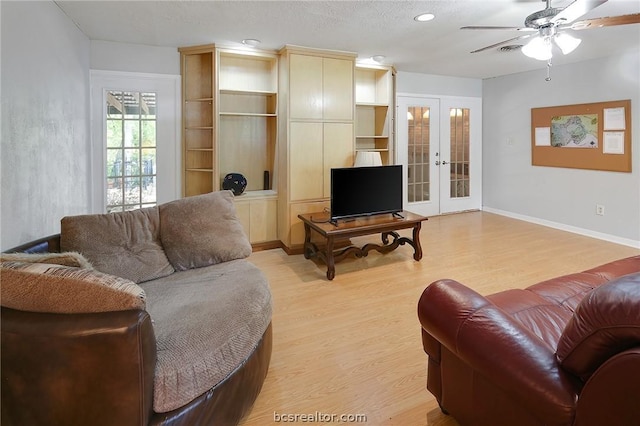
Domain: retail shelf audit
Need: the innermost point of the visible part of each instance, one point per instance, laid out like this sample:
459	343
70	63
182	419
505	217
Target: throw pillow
125	244
66	259
40	287
202	230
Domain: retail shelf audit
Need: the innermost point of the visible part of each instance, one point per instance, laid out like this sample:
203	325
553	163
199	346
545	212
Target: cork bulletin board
594	136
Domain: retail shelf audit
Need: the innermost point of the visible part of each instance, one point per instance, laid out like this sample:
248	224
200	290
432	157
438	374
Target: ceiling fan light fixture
567	43
538	48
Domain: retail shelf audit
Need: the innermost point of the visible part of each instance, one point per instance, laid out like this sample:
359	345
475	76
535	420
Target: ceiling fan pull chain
548	71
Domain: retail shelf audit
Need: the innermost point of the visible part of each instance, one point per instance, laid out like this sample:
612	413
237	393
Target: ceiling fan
547	27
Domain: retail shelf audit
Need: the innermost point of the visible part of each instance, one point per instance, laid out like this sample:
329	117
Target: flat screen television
364	191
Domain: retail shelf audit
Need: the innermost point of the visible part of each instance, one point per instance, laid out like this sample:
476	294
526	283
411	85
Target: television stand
384	224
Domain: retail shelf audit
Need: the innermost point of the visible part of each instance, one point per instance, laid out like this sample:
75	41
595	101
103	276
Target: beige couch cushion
207	322
125	244
42	287
202	230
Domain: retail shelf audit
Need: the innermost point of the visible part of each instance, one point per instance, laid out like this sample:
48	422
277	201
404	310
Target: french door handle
437	163
444	163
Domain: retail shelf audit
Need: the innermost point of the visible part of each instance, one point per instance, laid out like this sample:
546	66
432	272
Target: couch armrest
610	396
64	369
606	322
498	347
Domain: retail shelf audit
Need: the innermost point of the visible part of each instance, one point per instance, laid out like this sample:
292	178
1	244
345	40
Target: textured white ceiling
363	26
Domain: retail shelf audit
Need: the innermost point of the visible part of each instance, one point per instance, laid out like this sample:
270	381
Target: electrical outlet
599	209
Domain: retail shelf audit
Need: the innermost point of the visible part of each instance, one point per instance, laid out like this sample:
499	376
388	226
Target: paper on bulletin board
543	136
614	119
613	143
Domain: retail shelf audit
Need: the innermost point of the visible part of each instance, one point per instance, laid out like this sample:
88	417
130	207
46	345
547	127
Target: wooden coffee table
343	229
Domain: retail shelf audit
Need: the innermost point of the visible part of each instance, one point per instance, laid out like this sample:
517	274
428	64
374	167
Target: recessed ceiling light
251	41
424	17
378	58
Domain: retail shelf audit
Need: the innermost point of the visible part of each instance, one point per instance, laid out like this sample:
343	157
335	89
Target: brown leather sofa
562	352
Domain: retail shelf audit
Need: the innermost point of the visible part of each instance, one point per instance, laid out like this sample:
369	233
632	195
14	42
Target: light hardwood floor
352	345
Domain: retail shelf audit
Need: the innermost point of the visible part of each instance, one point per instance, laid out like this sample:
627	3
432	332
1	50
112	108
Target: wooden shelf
258	194
247	92
372	104
373	110
248	114
198	122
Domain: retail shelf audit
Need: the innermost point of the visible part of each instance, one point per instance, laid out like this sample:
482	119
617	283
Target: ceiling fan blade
522	37
576	10
474	27
606	22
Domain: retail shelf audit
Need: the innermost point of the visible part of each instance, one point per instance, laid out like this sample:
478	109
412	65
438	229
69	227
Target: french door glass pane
418	154
131	150
459	166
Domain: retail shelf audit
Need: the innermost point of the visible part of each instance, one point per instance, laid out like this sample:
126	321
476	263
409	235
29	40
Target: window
131	150
418	154
459	152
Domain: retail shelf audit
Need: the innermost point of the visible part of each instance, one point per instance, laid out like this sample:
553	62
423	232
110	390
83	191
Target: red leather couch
562	352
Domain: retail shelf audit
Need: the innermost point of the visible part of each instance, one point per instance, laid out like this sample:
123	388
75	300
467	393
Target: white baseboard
564	227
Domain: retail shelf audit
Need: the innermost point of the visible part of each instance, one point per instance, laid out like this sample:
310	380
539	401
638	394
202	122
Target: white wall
112	56
45	147
560	196
427	84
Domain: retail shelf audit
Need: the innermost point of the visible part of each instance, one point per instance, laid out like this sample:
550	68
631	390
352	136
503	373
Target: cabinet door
263	221
305	87
337	150
337	76
305	160
258	218
243	213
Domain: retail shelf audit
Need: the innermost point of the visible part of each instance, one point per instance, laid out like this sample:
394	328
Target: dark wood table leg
307	241
417	254
331	267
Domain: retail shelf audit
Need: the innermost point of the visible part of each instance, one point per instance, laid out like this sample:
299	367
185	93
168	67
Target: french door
439	144
135	140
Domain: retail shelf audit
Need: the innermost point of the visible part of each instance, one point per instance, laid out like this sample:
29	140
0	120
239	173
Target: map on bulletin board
574	131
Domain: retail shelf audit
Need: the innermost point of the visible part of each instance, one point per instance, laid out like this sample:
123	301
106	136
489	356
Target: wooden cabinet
316	131
320	88
316	148
337	151
291	116
374	111
230	113
258	215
